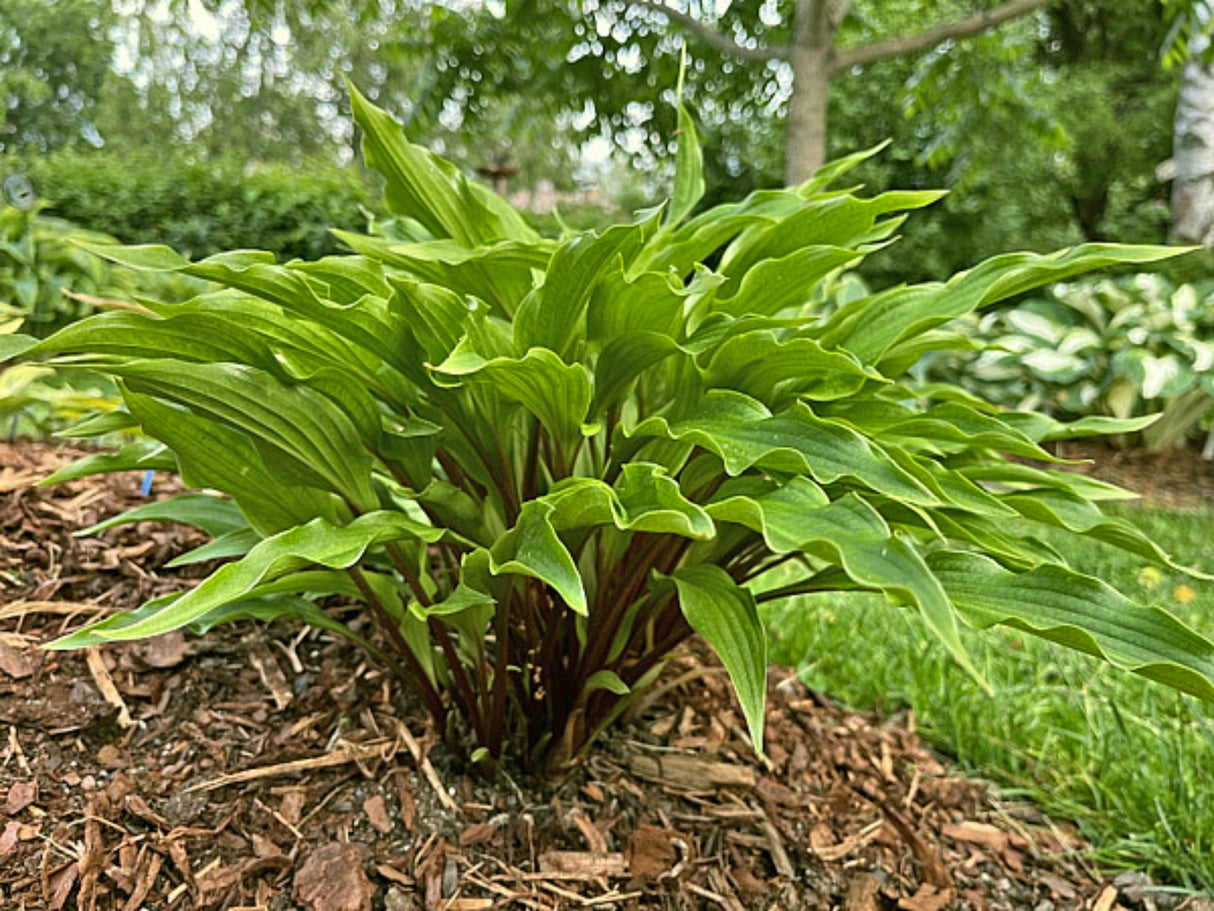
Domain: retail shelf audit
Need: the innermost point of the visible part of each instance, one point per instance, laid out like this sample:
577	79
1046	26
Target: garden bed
274	768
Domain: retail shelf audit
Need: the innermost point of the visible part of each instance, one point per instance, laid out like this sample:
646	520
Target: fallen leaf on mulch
332	879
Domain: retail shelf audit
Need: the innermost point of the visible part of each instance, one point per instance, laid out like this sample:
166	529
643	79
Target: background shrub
201	208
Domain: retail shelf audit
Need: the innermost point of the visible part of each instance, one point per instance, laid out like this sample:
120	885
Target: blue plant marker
146	487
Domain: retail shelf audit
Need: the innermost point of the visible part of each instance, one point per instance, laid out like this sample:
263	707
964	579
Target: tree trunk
1193	152
812	60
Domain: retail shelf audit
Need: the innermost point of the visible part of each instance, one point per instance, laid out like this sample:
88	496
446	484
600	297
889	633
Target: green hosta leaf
277	607
774	285
318	542
1074	513
213	456
99	424
837	220
644	499
214	515
725	615
1011	476
605	680
621	306
1081	613
1043	428
744	434
688	170
870	327
553	315
188	337
950	426
498	274
533	549
345	279
558	394
774	370
142	455
233	544
431	190
317	441
623	360
849	533
143	257
436	316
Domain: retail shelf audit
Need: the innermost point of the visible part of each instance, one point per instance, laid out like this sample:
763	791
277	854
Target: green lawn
1131	761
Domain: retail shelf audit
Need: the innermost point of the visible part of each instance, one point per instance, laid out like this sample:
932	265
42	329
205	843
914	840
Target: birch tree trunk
1193	152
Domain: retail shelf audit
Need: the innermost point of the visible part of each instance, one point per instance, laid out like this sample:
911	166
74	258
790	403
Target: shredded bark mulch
272	767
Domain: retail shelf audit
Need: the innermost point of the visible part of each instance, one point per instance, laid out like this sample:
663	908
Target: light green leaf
216	457
318	440
558	394
12	346
774	370
214	515
777	284
317	542
533	549
870	327
143	257
645	499
553	315
744	434
141	455
725	615
849	533
431	190
233	544
688	170
1081	613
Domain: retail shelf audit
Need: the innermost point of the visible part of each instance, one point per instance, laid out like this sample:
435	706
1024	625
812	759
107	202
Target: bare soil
271	767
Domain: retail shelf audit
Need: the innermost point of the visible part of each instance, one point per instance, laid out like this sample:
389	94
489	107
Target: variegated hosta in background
543	465
1122	347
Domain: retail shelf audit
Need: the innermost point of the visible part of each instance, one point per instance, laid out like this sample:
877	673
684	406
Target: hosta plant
1129	346
543	465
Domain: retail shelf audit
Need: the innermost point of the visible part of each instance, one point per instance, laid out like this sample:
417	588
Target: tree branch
714	39
847	58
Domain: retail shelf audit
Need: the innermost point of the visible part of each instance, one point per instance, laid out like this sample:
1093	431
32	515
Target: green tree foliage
54	61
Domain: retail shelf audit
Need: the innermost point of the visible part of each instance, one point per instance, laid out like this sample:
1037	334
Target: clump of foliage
1128	346
542	465
39	261
203	207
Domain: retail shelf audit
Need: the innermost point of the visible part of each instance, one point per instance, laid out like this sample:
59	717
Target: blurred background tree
1052	124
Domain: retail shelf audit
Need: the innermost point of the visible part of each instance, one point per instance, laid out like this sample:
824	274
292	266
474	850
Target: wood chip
346	755
377	813
20	795
331	878
583	864
272	676
105	683
14	661
594	838
1107	899
691	773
